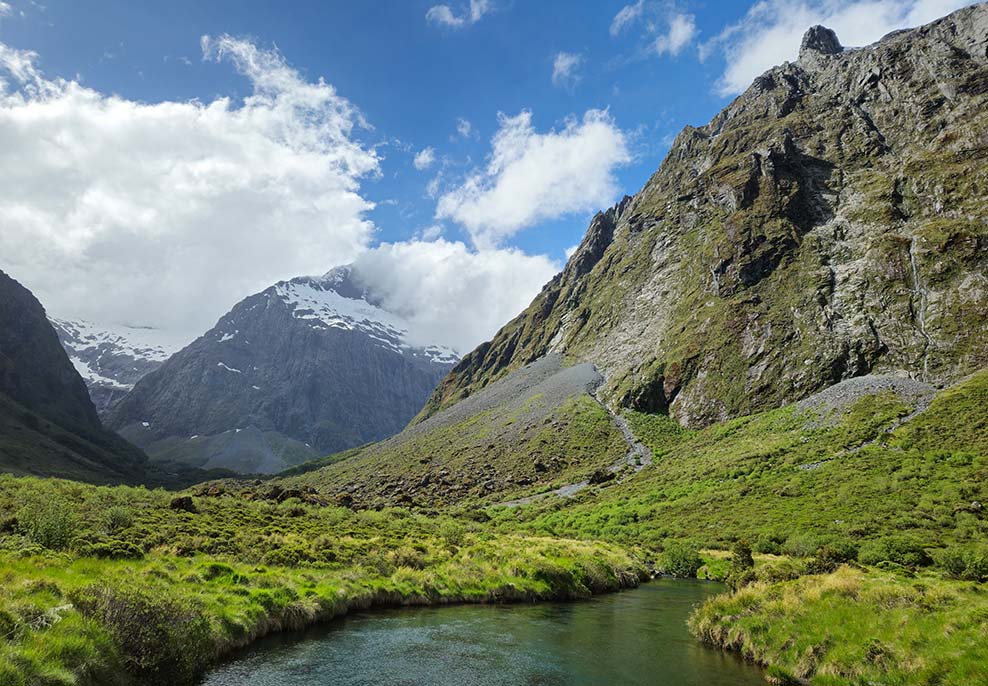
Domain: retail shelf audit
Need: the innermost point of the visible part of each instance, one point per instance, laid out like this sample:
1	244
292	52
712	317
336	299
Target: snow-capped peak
333	301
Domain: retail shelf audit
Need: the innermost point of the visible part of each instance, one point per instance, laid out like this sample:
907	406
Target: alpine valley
767	368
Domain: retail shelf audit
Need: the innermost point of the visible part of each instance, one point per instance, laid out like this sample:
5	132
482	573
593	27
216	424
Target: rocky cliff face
305	368
832	221
111	359
48	425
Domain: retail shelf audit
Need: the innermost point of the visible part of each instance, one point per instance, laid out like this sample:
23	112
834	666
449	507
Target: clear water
636	637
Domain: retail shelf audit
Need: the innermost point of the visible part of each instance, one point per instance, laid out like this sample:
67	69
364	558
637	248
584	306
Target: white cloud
464	127
431	233
533	176
5	9
626	16
682	29
166	213
443	14
437	285
424	159
570	250
771	31
564	67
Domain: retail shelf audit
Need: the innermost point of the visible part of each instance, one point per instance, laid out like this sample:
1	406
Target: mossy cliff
830	222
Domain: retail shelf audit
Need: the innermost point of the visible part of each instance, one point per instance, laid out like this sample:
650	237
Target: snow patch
229	369
316	301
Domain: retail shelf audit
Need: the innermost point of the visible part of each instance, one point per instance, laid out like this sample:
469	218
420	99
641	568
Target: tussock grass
141	593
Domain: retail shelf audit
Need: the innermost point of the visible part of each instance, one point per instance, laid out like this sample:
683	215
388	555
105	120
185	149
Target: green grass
785	476
856	626
106	585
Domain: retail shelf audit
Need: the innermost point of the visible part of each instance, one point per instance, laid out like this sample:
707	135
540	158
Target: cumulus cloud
443	14
5	9
626	16
464	127
564	69
450	293
166	213
424	159
771	31
533	176
680	33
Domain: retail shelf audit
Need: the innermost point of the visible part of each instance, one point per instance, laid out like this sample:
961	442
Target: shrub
680	559
969	565
48	523
830	557
112	549
164	640
452	533
800	545
897	549
768	545
742	566
118	518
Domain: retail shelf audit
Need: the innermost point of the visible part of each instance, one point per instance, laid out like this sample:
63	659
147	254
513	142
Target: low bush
680	559
163	639
49	523
899	550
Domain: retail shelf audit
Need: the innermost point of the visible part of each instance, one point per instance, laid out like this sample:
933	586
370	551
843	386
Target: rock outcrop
831	222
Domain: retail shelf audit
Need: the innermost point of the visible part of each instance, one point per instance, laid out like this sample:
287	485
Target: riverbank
127	586
855	626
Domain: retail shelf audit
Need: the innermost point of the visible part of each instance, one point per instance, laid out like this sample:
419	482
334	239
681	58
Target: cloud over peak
531	176
771	31
123	211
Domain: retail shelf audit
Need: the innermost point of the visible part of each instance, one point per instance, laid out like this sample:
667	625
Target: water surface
636	637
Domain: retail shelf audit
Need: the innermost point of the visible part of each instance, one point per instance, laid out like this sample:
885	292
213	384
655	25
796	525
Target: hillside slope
830	222
537	429
304	368
48	425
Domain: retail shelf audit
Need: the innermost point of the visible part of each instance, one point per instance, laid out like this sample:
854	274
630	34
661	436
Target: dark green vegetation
124	586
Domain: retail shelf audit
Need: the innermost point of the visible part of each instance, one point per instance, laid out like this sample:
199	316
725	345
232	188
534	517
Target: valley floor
863	507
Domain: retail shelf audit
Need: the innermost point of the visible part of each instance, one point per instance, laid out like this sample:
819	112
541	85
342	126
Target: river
635	637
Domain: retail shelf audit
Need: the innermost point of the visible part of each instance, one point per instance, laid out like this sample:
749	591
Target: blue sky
584	97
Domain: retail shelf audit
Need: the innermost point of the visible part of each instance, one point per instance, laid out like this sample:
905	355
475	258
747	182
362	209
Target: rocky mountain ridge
304	368
829	223
48	425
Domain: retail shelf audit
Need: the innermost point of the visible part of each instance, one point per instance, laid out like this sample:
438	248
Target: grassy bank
122	586
856	626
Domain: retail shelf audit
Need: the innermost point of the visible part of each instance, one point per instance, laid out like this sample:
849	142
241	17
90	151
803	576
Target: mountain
111	359
48	424
304	368
829	223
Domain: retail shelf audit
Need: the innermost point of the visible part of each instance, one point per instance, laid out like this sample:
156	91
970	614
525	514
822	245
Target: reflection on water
636	637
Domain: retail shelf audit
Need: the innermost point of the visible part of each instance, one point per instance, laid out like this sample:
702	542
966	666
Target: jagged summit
820	39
